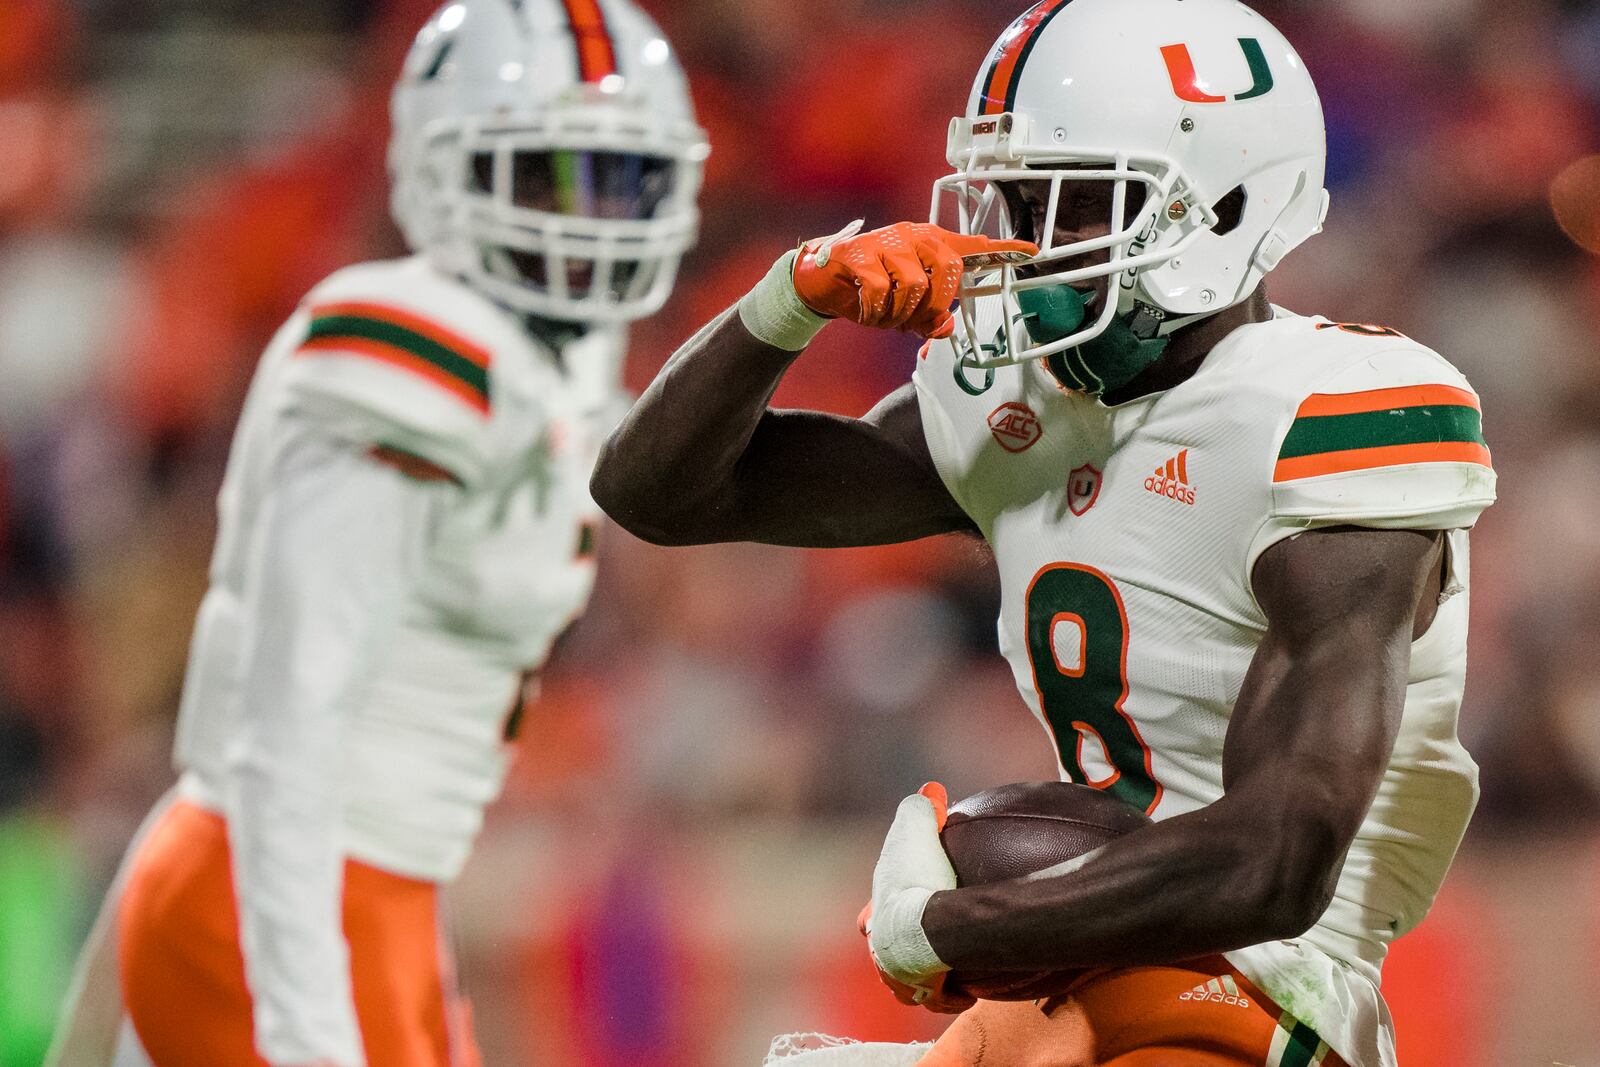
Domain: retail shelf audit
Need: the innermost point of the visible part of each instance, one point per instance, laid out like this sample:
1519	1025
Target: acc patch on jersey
1015	426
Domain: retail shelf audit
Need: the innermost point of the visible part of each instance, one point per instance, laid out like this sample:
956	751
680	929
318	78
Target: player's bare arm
702	457
1307	746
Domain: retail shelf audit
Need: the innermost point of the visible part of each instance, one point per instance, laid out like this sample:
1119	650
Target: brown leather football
1016	830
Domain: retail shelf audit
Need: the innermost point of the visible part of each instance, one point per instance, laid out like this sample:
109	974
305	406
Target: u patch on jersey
1337	432
1083	488
389	335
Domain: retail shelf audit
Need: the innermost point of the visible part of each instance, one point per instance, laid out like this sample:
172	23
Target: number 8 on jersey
1073	604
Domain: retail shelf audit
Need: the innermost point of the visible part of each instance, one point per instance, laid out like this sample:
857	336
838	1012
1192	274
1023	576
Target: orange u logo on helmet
1186	83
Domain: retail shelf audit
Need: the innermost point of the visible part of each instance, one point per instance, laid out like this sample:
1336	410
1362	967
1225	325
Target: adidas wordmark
1218	991
1172	480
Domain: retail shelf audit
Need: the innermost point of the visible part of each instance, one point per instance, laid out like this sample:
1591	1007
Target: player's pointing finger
899	276
976	244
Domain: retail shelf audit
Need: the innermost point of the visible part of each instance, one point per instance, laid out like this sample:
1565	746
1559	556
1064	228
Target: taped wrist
774	313
898	943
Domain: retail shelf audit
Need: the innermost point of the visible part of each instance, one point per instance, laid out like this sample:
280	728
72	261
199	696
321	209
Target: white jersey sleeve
957	404
390	367
337	540
1393	441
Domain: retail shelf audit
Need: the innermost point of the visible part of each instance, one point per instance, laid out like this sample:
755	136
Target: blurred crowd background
724	736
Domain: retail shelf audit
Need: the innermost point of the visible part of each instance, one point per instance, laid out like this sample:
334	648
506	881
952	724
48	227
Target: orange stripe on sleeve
400	358
1380	399
411	465
1356	459
458	344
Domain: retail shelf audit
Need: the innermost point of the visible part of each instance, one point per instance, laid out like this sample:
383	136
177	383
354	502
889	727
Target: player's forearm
1309	741
1214	880
668	472
330	558
288	872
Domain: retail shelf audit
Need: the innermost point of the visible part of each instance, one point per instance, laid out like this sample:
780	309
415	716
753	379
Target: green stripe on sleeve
1315	434
1302	1047
387	333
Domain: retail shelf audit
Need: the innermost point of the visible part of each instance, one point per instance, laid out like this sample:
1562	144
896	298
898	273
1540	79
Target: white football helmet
546	151
1184	106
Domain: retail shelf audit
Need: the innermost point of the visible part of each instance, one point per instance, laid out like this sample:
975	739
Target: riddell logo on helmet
1172	480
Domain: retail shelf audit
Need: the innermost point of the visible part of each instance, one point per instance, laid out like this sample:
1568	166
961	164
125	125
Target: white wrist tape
774	313
898	943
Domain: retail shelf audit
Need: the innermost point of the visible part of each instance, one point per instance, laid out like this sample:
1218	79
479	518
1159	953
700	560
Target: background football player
405	529
1231	539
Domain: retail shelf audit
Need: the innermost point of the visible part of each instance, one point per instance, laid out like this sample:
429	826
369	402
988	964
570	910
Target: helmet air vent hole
1230	212
481	172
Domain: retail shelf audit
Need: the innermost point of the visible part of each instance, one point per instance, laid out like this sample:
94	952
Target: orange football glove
900	277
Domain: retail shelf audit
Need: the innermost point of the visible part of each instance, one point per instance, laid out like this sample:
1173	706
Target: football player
405	529
1231	540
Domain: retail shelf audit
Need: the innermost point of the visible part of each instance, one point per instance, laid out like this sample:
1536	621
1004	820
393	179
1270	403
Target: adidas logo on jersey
1222	990
1172	480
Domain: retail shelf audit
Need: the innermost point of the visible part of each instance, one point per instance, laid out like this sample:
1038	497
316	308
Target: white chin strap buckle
1272	251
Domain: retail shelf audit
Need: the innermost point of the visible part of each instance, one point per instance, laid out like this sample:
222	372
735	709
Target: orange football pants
182	971
1201	1013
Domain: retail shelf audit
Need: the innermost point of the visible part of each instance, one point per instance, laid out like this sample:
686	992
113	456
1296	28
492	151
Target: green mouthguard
1101	365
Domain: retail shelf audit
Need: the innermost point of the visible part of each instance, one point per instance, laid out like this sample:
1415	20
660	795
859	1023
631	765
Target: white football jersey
395	355
1125	538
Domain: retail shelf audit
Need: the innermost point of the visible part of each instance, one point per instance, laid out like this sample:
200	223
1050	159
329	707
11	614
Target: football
1015	830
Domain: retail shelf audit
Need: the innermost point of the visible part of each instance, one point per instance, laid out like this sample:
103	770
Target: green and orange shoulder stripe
404	340
1333	433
